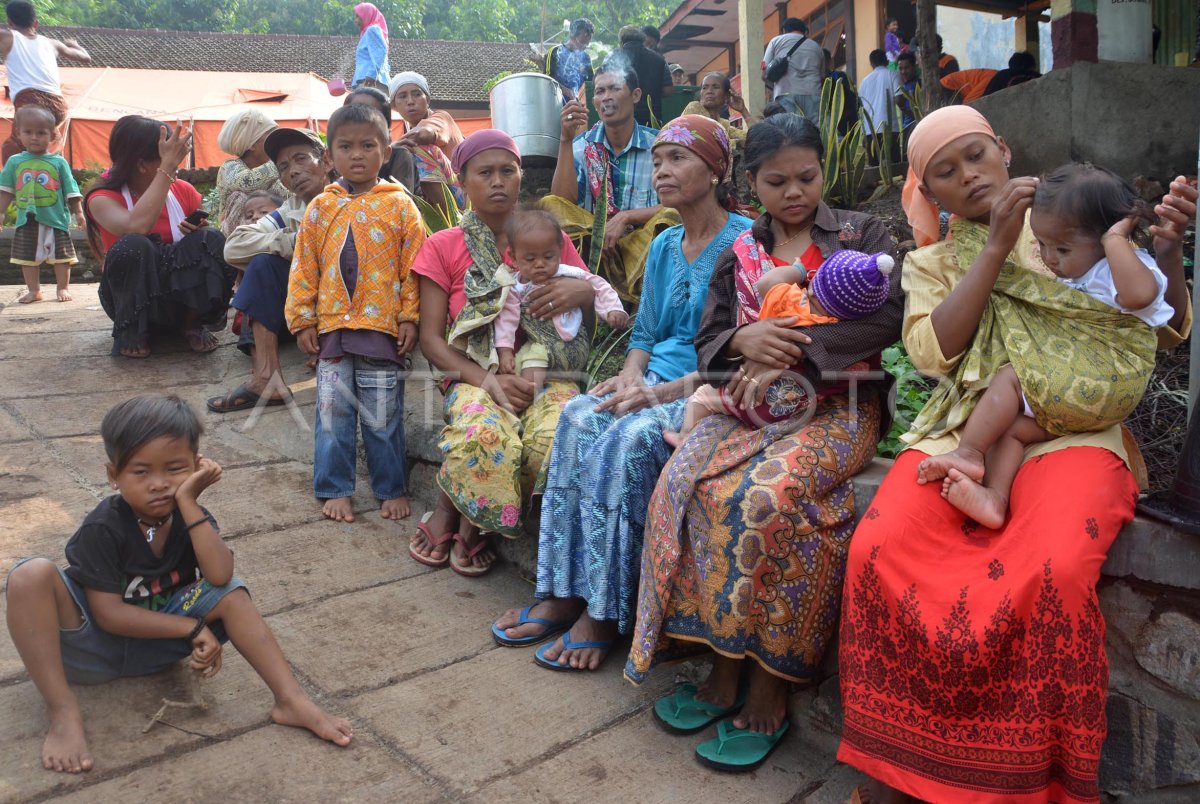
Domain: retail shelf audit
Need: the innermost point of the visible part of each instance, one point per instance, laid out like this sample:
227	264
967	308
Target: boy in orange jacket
352	302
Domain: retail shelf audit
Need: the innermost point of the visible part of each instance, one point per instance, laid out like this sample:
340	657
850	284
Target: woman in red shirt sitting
161	270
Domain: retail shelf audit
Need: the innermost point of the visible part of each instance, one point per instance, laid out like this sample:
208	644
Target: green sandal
737	750
681	713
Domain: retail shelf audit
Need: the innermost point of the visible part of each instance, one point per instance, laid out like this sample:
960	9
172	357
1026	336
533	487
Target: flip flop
240	398
435	541
736	750
552	629
463	566
540	655
681	713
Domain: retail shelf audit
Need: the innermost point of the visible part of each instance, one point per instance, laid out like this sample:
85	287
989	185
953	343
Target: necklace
152	527
793	237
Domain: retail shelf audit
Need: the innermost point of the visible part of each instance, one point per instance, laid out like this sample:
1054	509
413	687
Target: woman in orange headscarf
972	660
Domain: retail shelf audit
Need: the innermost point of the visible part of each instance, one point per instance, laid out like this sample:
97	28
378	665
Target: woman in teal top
609	448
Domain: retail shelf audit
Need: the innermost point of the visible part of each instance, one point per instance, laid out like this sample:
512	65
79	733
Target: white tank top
32	64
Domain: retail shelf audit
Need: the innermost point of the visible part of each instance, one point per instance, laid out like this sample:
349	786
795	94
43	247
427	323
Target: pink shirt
567	322
444	259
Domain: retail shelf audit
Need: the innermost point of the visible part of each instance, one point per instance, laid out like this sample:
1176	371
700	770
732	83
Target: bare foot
396	508
720	688
766	702
985	506
338	509
305	714
138	352
964	459
201	340
65	749
64	295
673	439
31	297
585	629
555	609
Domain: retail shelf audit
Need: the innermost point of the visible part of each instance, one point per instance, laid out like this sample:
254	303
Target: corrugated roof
457	71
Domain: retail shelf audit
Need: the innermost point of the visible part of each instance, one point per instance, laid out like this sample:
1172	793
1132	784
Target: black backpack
779	65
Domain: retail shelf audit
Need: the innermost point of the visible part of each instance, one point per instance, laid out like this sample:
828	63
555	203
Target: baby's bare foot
31	297
65	749
967	461
64	295
985	506
305	714
397	508
338	509
673	439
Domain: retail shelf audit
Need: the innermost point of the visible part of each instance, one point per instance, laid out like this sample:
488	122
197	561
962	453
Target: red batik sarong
972	660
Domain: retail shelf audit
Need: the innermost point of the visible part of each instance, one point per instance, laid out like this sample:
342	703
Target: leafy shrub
911	393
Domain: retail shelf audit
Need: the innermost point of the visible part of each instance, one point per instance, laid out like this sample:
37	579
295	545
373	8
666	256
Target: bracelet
205	518
196	631
170	178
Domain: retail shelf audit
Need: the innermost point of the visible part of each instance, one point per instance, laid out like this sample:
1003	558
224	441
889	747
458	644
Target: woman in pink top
497	433
162	268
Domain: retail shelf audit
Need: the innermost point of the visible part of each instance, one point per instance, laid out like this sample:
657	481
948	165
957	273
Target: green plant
496	79
438	218
608	353
911	393
845	157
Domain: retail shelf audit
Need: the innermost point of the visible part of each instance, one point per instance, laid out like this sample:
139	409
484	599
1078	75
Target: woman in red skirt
972	660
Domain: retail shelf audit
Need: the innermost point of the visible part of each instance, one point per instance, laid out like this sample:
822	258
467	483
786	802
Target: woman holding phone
162	267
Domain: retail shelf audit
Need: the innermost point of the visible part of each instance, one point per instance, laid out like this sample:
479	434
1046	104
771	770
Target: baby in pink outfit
560	346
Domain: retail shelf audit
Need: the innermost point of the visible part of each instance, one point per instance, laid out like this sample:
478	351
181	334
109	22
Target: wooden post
1194	370
750	37
1026	35
932	94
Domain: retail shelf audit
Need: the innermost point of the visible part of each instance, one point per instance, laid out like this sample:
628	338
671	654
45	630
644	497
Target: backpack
779	65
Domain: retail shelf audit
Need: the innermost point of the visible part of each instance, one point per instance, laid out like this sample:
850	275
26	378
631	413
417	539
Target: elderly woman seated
249	170
717	99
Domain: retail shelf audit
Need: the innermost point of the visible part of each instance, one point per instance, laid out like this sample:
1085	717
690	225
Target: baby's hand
207	473
618	319
508	363
1122	228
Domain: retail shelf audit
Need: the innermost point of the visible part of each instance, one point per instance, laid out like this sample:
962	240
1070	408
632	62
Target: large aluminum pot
526	106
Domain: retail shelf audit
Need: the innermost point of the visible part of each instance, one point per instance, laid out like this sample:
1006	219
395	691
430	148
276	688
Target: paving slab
269	764
155	373
12	428
637	761
41	504
114	716
298	565
361	641
442	717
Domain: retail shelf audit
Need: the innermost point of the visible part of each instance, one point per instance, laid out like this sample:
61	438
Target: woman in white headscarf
242	137
430	135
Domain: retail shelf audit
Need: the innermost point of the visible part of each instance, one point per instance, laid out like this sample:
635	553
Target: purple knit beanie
851	285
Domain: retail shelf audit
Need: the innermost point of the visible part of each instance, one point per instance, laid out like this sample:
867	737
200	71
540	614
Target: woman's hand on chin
510	391
773	342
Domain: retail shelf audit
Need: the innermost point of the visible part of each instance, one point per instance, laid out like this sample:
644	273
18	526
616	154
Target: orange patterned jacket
388	232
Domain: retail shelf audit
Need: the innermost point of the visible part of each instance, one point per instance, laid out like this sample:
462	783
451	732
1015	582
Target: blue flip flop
736	750
540	655
552	629
681	713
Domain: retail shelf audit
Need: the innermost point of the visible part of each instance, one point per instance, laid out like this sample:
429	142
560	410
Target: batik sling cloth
1083	365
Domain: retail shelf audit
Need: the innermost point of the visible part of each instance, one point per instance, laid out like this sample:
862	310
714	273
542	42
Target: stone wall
1135	119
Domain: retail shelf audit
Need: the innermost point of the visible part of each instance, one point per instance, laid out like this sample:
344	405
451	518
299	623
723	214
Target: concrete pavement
440	713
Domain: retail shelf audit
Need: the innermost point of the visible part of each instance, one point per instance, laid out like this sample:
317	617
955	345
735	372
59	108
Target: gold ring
754	381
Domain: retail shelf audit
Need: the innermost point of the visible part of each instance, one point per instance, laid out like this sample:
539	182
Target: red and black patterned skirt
972	660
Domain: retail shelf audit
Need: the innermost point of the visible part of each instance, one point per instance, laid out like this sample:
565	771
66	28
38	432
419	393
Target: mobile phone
197	218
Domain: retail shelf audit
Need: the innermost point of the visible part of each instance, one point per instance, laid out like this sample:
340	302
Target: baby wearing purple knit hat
848	285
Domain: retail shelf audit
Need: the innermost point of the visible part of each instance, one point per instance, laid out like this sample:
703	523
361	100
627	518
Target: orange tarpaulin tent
99	96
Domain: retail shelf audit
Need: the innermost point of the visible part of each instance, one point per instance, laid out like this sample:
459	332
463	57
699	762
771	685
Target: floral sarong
1083	365
746	541
493	462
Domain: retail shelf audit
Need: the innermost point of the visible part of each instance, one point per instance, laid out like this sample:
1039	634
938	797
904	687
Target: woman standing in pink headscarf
371	56
972	659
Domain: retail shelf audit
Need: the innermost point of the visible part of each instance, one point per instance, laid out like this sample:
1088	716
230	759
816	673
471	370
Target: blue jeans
351	388
807	105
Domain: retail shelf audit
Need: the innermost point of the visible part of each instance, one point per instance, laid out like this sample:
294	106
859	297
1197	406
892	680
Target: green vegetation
912	391
475	20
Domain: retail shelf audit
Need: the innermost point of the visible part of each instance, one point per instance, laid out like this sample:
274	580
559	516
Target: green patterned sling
1083	365
487	285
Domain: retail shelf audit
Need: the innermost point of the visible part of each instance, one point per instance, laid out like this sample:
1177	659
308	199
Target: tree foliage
474	20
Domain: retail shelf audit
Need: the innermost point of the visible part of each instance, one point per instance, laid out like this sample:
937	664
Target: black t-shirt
1010	78
109	554
653	75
